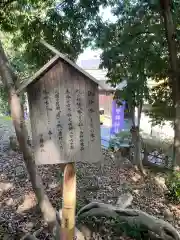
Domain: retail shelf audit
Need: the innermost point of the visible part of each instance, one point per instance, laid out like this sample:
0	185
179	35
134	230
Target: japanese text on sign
80	118
69	115
117	118
58	115
91	110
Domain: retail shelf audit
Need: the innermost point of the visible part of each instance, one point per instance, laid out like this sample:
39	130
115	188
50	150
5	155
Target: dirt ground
19	213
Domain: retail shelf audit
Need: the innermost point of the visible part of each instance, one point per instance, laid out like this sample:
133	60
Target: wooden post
69	202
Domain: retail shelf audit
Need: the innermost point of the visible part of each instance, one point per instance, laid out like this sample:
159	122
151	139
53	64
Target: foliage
4	108
123	137
129	54
173	184
64	24
161	104
135	48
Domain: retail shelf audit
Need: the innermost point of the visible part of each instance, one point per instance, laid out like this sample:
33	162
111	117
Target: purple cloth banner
117	117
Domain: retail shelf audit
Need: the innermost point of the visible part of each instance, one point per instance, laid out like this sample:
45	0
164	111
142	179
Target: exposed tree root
163	230
156	229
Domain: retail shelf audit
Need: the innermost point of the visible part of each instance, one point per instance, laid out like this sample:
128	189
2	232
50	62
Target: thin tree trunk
139	113
8	78
175	80
136	139
133	116
137	149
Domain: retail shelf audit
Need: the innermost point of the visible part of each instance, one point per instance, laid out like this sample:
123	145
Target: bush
124	137
173	185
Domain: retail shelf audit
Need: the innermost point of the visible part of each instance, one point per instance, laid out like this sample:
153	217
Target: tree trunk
175	79
8	78
136	139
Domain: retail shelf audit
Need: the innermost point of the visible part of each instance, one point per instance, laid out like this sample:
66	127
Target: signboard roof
50	64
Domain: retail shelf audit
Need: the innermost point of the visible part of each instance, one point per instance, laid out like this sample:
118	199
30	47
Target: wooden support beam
69	202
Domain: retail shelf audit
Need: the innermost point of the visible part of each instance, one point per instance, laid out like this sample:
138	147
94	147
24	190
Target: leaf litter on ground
19	213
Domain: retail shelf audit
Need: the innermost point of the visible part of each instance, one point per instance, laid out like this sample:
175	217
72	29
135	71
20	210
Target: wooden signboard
65	125
64	114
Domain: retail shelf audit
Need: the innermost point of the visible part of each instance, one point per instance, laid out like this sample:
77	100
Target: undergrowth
173	185
124	137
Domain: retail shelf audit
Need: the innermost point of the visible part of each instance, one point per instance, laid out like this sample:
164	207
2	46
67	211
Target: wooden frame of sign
64	114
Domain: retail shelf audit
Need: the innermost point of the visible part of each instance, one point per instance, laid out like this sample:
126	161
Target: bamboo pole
69	202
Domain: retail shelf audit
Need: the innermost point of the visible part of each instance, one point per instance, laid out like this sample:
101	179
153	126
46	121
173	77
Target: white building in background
90	62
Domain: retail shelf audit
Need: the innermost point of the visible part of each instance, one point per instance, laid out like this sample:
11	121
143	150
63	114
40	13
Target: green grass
7	118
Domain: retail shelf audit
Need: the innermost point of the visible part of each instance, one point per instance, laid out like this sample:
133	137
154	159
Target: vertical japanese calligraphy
80	118
69	115
41	143
117	117
37	94
46	100
58	115
91	111
57	100
29	141
50	134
